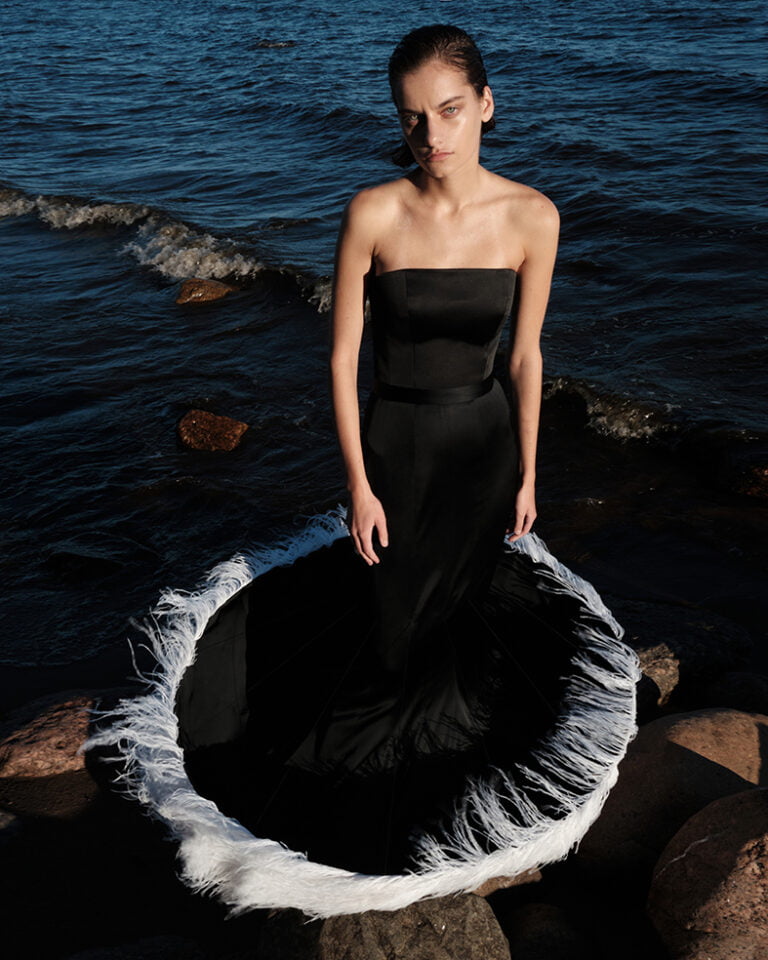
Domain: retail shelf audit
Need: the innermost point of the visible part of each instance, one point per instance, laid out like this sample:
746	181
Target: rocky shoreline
676	866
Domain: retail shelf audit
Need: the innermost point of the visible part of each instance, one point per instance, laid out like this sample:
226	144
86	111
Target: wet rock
709	895
679	647
266	44
503	883
542	931
446	928
198	290
202	430
754	483
10	827
42	738
675	766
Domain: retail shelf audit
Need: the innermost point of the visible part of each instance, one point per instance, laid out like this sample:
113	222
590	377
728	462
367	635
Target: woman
468	723
442	253
450	213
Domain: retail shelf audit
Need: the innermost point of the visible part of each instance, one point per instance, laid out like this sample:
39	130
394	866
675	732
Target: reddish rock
754	483
709	895
445	928
503	883
675	766
203	291
679	646
41	738
202	430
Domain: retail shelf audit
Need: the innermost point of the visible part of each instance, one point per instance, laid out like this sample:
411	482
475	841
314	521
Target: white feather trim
219	856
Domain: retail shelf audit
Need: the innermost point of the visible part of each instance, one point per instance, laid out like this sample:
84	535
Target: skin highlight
449	212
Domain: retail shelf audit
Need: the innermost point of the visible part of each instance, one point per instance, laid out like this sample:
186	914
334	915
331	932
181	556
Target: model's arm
354	252
525	365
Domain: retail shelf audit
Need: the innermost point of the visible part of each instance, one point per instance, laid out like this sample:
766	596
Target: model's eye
409	119
450	111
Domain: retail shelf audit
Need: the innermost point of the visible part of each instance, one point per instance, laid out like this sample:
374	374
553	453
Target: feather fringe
577	764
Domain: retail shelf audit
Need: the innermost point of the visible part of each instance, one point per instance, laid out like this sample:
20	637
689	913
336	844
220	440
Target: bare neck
451	193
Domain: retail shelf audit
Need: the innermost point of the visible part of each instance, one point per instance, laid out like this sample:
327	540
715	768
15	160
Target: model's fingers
383	535
369	554
359	546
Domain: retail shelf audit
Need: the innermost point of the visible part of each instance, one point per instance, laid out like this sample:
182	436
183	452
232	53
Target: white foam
65	214
14	204
624	419
178	251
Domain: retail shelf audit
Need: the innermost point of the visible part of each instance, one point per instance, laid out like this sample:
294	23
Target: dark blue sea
149	142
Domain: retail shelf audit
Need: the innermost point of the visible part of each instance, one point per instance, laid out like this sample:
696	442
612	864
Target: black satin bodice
441	327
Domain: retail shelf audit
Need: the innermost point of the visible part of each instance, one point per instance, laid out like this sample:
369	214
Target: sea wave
613	415
171	247
70	212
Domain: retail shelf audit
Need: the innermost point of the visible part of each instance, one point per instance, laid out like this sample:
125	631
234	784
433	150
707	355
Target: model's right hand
366	514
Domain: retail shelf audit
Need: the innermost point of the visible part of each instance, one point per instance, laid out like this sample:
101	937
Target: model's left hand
525	512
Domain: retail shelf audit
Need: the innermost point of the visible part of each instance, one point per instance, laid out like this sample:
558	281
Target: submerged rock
674	768
755	483
198	290
202	430
680	648
709	895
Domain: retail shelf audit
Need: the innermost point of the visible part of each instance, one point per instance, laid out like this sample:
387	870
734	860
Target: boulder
503	883
709	894
198	290
755	482
41	738
679	647
202	430
675	766
445	928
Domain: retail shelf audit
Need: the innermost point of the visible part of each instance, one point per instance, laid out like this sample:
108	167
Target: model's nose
430	132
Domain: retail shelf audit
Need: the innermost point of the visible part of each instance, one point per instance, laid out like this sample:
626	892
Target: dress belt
468	391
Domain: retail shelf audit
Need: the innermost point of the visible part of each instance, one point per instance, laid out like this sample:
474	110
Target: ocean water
149	142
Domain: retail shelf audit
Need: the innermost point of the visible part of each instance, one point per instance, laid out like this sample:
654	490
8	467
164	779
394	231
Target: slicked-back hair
441	41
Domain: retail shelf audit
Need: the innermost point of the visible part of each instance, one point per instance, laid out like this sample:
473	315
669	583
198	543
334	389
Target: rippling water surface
149	142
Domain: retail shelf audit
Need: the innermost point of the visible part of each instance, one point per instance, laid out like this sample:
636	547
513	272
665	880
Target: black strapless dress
454	713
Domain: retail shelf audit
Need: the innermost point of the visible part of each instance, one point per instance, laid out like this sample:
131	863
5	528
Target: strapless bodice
438	327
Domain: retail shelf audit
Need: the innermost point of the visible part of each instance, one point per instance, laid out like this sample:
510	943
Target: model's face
441	116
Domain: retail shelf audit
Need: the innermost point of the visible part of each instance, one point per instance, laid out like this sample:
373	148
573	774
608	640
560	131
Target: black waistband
469	391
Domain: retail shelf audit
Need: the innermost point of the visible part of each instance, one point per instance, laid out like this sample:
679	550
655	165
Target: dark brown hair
441	41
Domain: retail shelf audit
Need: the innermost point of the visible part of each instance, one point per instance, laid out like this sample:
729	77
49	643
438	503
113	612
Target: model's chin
436	165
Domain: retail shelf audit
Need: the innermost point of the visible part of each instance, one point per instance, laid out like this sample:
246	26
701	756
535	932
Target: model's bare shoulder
374	204
537	212
527	203
372	215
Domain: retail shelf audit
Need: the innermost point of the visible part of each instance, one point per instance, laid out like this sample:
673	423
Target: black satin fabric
446	475
336	707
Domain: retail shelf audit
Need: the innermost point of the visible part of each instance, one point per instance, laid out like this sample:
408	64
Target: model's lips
439	155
